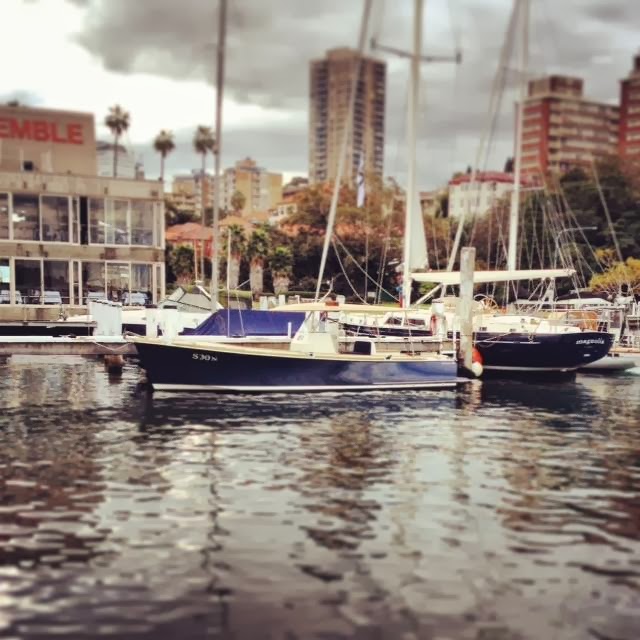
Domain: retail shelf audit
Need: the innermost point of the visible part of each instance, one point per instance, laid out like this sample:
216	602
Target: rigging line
572	218
344	273
495	100
606	209
383	249
350	255
364	24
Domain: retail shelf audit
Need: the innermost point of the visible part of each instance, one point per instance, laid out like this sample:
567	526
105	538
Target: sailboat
315	359
505	342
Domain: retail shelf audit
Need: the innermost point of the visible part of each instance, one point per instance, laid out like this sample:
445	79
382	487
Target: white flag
360	183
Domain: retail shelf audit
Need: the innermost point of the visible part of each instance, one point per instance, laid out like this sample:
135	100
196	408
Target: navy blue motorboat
311	361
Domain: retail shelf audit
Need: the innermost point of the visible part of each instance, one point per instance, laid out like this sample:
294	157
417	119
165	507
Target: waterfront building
330	90
261	189
67	234
629	134
481	195
562	129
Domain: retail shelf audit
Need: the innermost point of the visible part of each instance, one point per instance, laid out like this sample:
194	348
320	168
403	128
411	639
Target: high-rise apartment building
562	129
331	80
629	138
261	189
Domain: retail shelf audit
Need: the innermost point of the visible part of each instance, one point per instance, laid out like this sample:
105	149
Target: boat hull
173	367
526	353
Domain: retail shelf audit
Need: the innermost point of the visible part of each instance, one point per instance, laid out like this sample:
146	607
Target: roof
486	176
188	232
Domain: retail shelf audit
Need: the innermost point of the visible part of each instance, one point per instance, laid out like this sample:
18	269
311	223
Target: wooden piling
114	363
467	267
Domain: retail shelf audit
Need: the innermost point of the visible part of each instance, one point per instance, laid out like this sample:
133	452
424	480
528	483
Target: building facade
189	190
66	234
330	90
261	189
629	134
562	129
480	196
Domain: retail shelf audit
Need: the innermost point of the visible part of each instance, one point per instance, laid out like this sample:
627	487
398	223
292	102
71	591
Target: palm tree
281	261
257	250
203	142
237	243
164	145
118	121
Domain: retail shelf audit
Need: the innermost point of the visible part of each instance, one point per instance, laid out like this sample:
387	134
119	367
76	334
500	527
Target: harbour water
507	510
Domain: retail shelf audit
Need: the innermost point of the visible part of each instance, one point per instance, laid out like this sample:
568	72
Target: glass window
141	285
93	281
5	281
159	283
142	212
117	223
75	272
26	219
75	220
96	221
28	280
56	282
4	215
54	211
117	281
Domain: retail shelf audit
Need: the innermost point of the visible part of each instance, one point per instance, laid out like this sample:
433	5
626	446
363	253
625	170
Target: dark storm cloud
271	42
268	47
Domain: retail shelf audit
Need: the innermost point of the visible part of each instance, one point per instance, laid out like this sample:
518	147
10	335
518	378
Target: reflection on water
509	510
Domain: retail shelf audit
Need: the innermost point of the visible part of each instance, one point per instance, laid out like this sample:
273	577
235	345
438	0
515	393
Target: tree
164	145
237	243
280	262
257	250
621	278
238	200
203	142
118	121
181	262
173	215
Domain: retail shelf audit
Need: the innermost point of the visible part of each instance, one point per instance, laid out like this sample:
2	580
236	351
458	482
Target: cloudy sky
156	58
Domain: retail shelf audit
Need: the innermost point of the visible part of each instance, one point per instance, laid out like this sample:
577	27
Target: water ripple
505	511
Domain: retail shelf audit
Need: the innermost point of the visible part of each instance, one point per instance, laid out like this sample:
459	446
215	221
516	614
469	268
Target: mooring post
467	267
114	364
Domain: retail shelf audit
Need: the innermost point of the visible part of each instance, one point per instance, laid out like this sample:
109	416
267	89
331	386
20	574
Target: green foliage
619	278
238	241
173	215
258	246
181	262
281	261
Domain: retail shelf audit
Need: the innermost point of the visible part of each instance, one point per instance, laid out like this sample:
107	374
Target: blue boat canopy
242	323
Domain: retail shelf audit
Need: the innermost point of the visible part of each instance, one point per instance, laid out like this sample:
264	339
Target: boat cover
238	322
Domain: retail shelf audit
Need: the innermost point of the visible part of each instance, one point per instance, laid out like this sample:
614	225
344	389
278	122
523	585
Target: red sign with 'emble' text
41	131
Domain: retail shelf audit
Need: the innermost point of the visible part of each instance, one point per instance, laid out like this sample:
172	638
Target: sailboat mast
411	200
222	33
514	213
346	134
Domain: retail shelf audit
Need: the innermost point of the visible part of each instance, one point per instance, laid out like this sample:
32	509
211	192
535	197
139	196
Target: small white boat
611	363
